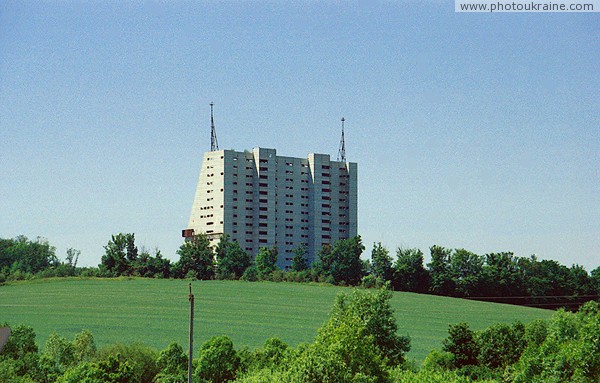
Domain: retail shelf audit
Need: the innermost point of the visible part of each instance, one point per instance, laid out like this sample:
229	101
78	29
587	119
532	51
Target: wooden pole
191	352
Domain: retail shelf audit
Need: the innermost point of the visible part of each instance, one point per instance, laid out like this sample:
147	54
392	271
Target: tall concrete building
262	199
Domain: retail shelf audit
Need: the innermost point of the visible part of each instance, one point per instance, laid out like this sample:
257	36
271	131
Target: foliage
172	363
465	270
501	345
439	361
60	351
595	277
84	347
21	256
439	271
266	261
461	343
343	352
251	274
569	353
431	376
218	361
381	262
271	356
172	360
120	254
502	276
20	342
232	261
195	259
342	262
375	312
409	273
140	359
111	370
299	261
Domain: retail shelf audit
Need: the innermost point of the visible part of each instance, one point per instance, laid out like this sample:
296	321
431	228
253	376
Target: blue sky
470	130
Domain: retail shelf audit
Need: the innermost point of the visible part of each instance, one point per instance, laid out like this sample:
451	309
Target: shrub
251	274
501	345
461	343
141	359
439	361
218	362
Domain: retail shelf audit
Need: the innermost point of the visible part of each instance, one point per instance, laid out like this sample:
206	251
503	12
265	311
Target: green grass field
156	312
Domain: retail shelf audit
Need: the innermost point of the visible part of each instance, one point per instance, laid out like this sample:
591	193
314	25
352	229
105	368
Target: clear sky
470	130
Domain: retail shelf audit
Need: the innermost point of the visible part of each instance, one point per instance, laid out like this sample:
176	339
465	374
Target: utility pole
191	335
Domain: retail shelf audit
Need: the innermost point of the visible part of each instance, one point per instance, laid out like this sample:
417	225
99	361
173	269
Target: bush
218	362
501	345
141	359
251	274
462	344
439	361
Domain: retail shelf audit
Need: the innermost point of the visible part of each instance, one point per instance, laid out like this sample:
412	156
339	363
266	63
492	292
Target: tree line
500	277
359	343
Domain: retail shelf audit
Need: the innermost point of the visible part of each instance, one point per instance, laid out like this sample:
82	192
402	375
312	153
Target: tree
218	362
111	370
72	257
381	262
595	276
153	266
20	342
140	357
26	256
195	258
60	351
266	261
299	261
465	269
568	350
173	359
358	343
581	282
462	344
120	255
342	262
441	282
322	265
501	276
409	273
232	260
84	347
374	311
501	345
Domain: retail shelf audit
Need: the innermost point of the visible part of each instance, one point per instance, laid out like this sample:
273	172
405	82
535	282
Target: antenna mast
214	144
342	151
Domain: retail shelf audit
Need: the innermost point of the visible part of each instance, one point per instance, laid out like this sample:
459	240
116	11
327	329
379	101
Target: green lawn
156	312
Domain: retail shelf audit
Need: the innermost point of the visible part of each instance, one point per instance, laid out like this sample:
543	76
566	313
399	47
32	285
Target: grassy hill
156	312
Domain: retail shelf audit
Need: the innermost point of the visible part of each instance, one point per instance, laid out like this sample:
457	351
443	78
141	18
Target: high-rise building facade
263	200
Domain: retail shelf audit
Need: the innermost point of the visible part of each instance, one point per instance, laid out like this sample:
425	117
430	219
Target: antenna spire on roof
214	144
342	151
